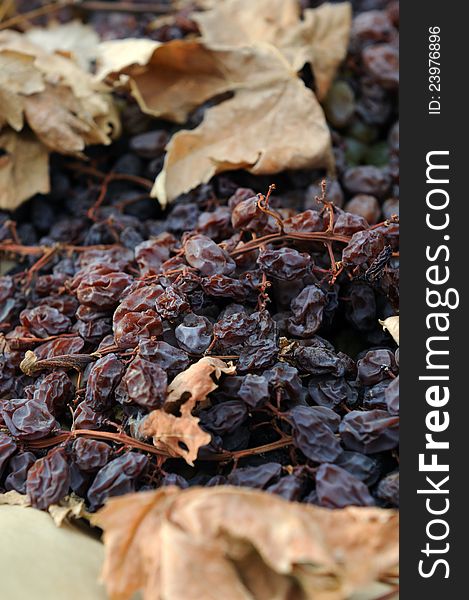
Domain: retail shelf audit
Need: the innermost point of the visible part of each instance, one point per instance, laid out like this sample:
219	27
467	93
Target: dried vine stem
97	174
126	440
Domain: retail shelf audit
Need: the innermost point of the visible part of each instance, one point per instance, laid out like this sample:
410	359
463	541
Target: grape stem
126	440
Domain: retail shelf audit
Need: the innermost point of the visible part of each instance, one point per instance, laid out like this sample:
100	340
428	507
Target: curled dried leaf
179	436
71	507
391	324
195	383
24	168
64	107
243	130
181	545
319	36
73	39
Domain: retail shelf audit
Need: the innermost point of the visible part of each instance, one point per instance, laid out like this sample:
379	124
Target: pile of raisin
117	297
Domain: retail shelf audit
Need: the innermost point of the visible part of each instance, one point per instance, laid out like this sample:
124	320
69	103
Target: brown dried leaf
170	80
71	507
319	38
183	545
266	129
69	97
13	498
18	75
115	56
272	122
40	560
179	436
62	104
24	168
60	121
391	324
196	382
73	39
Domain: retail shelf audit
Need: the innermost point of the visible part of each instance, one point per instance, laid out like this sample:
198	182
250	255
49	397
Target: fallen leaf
62	104
24	168
70	507
13	498
184	544
271	123
170	80
196	382
391	324
174	428
69	97
265	128
40	560
114	56
179	436
73	39
61	122
18	75
319	37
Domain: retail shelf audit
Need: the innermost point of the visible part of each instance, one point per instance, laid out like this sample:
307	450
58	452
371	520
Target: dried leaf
183	545
114	56
71	507
70	97
40	560
62	104
170	80
180	436
24	168
73	39
272	122
13	498
391	324
60	121
264	130
18	75
196	382
320	37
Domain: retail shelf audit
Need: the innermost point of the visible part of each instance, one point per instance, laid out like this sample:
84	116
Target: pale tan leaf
74	38
113	56
272	122
319	38
220	577
63	105
135	549
264	130
391	324
243	22
24	168
180	436
13	498
18	75
204	540
196	382
42	561
170	80
70	507
61	122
